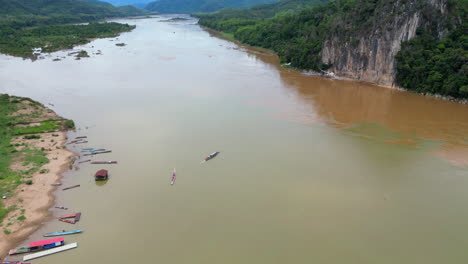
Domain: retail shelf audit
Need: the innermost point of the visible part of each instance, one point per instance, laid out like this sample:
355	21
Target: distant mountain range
193	6
135	3
63	8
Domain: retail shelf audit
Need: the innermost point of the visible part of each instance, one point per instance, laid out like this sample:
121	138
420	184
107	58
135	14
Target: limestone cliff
367	51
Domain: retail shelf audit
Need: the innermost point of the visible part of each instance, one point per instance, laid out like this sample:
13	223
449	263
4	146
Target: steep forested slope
361	39
27	24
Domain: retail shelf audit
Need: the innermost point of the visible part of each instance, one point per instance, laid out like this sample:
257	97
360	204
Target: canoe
173	177
71	187
50	251
211	156
104	162
64	233
92	150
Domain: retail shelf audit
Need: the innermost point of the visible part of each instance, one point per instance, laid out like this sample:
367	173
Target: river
311	170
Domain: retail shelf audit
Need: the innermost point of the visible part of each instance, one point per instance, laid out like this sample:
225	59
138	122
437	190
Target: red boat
76	217
38	245
101	175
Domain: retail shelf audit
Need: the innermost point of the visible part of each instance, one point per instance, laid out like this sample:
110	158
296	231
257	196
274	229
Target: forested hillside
362	38
193	6
18	16
136	3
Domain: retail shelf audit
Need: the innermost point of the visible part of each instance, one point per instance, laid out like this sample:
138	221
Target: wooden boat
81	137
50	251
66	218
83	161
92	150
101	175
173	177
14	262
56	184
71	187
61	207
81	142
64	233
95	153
38	245
211	156
104	162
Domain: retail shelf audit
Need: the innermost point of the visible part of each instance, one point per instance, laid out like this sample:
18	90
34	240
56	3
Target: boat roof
101	173
45	242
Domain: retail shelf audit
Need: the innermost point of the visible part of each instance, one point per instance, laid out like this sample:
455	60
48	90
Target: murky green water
310	170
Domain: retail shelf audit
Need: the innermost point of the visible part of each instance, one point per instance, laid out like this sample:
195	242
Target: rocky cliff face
368	54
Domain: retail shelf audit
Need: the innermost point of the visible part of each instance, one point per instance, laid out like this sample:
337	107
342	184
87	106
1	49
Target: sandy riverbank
32	202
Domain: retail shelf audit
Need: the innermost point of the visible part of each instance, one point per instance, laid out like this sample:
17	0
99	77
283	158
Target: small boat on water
173	177
66	218
101	175
104	162
50	251
211	156
92	150
64	233
38	245
97	152
14	262
71	187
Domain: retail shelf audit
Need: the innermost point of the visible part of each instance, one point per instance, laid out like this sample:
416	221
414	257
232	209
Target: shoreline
221	34
35	200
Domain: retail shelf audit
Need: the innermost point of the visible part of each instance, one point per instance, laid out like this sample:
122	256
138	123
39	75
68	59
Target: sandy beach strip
32	202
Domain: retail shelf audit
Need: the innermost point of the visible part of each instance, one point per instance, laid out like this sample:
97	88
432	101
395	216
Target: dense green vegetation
27	24
425	64
192	6
136	3
54	9
295	35
31	159
51	38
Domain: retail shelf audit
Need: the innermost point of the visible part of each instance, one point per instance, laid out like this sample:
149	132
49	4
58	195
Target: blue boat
92	150
64	233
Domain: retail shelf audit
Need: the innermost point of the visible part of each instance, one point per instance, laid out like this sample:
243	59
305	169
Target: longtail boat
71	187
81	137
173	177
100	152
104	162
50	251
211	156
92	150
38	245
79	162
64	233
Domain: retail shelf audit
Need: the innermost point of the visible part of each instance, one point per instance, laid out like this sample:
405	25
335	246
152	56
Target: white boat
50	251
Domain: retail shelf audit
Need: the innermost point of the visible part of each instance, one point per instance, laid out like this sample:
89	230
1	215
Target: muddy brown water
310	171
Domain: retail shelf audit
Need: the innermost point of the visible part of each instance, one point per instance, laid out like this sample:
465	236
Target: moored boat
64	233
101	175
38	245
50	251
104	162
